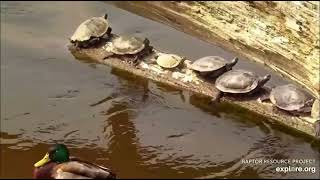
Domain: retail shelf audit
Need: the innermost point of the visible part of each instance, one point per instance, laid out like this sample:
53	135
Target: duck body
58	165
72	170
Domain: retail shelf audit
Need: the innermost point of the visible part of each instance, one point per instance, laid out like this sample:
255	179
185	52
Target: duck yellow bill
43	161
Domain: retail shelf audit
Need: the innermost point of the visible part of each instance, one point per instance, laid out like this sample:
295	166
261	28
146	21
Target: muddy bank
282	35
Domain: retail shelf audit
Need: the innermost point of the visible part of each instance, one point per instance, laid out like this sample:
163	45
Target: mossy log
198	86
281	35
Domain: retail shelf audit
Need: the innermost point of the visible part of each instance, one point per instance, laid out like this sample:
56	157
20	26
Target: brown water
139	128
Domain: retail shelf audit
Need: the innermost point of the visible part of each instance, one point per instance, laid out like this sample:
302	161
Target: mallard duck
57	164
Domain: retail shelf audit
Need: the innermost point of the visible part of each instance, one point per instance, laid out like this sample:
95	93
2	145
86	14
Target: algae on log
282	35
304	124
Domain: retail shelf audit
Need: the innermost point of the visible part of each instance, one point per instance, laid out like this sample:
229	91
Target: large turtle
293	99
169	61
91	32
240	82
289	98
129	47
212	66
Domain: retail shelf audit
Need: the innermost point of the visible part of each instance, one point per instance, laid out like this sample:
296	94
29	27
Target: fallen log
196	85
282	35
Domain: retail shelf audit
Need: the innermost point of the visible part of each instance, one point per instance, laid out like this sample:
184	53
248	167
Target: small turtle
91	31
289	98
169	61
212	66
130	47
240	82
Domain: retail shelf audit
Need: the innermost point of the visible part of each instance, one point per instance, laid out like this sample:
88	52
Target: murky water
139	128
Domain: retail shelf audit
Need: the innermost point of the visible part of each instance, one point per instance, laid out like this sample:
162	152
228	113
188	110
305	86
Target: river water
139	128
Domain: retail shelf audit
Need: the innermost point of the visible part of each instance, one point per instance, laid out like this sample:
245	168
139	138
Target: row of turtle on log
213	69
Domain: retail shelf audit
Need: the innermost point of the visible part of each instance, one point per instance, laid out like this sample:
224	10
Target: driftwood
281	35
99	54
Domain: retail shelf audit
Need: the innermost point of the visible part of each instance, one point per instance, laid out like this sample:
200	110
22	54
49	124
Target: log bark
304	124
282	35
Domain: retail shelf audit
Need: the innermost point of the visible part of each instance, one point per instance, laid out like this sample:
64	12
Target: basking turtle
130	47
91	32
240	82
289	98
57	164
212	66
169	61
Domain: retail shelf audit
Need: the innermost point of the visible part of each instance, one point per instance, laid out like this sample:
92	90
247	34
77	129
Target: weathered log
281	35
304	124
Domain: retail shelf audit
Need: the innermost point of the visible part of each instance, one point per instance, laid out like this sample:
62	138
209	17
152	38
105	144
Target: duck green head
59	153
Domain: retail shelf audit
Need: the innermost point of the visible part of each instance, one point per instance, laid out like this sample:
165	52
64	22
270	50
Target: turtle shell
127	45
169	60
288	97
237	81
93	27
208	63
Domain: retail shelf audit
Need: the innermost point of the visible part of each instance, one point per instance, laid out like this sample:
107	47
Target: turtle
169	61
91	31
131	48
212	66
240	82
289	98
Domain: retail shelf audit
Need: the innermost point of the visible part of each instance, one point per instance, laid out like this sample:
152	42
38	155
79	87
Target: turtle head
232	63
58	153
106	16
146	41
264	79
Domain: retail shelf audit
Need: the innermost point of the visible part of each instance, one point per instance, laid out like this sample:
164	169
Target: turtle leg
310	102
93	41
84	44
217	98
106	35
307	107
136	61
77	45
265	95
129	60
109	30
150	49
